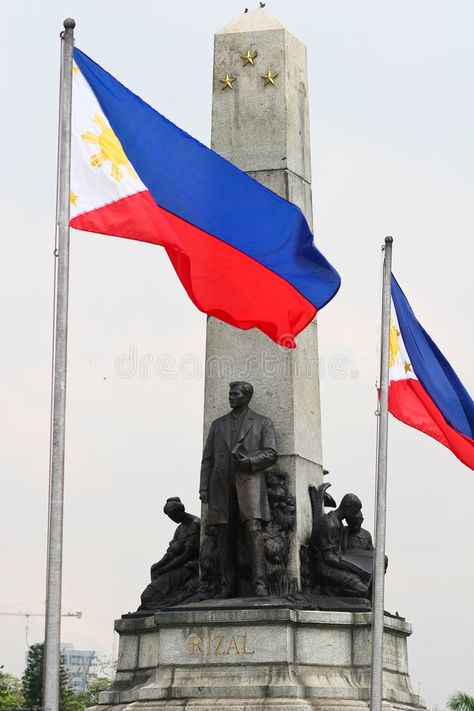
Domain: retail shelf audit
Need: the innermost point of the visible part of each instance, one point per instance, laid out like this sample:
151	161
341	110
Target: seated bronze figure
175	575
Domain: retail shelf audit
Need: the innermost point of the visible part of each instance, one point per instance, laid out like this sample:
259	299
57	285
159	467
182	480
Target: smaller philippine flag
424	391
243	254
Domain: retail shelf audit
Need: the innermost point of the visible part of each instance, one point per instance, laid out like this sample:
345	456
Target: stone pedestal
256	659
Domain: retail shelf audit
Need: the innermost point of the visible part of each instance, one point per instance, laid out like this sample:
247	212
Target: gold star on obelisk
227	81
73	198
408	367
269	78
249	58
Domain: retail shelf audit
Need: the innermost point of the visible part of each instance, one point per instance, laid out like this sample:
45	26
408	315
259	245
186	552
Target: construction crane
27	616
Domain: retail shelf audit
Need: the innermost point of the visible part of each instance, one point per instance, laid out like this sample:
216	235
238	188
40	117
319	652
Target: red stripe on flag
409	403
219	279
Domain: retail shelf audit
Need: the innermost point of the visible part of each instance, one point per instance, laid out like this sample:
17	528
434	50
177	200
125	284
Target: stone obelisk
260	122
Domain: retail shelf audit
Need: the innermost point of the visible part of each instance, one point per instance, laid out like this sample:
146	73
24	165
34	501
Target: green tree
32	682
11	693
460	701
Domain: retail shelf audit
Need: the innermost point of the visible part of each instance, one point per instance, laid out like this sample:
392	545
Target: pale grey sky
392	111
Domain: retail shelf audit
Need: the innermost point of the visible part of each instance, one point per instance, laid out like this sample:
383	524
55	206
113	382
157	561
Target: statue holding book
341	556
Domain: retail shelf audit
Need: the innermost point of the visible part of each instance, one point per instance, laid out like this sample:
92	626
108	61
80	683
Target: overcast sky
392	115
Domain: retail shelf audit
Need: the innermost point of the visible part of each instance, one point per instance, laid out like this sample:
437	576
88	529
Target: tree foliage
27	694
32	680
11	693
460	701
32	683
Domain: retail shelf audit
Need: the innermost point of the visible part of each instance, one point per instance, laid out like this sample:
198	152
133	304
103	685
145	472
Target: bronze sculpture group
249	517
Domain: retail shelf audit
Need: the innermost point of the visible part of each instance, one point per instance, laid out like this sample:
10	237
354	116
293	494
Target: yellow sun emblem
394	348
110	149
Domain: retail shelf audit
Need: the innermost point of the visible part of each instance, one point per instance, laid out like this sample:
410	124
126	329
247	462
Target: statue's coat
256	440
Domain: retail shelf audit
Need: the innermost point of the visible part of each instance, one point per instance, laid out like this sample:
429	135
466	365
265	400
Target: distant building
81	666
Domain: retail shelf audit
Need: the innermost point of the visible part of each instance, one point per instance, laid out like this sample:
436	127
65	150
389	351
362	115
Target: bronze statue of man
239	447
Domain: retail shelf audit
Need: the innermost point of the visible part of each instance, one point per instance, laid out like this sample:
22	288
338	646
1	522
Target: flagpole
380	514
58	396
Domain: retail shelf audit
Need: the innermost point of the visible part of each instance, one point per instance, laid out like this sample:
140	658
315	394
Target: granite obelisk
260	122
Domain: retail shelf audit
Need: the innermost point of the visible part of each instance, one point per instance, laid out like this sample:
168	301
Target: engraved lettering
219	642
219	646
233	646
244	646
196	645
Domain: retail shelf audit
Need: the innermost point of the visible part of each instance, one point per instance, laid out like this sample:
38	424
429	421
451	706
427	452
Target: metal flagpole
380	516
58	398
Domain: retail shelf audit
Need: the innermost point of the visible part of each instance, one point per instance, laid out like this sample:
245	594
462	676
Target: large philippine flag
424	390
242	253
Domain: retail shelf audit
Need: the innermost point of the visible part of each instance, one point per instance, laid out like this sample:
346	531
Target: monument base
251	659
295	601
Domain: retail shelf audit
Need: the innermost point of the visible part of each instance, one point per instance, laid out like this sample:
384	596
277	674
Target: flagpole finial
69	23
388	240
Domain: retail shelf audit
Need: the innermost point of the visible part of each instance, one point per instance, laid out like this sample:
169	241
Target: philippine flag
242	253
424	391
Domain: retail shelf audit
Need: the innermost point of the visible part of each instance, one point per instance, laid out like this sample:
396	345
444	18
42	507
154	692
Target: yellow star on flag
408	367
73	198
